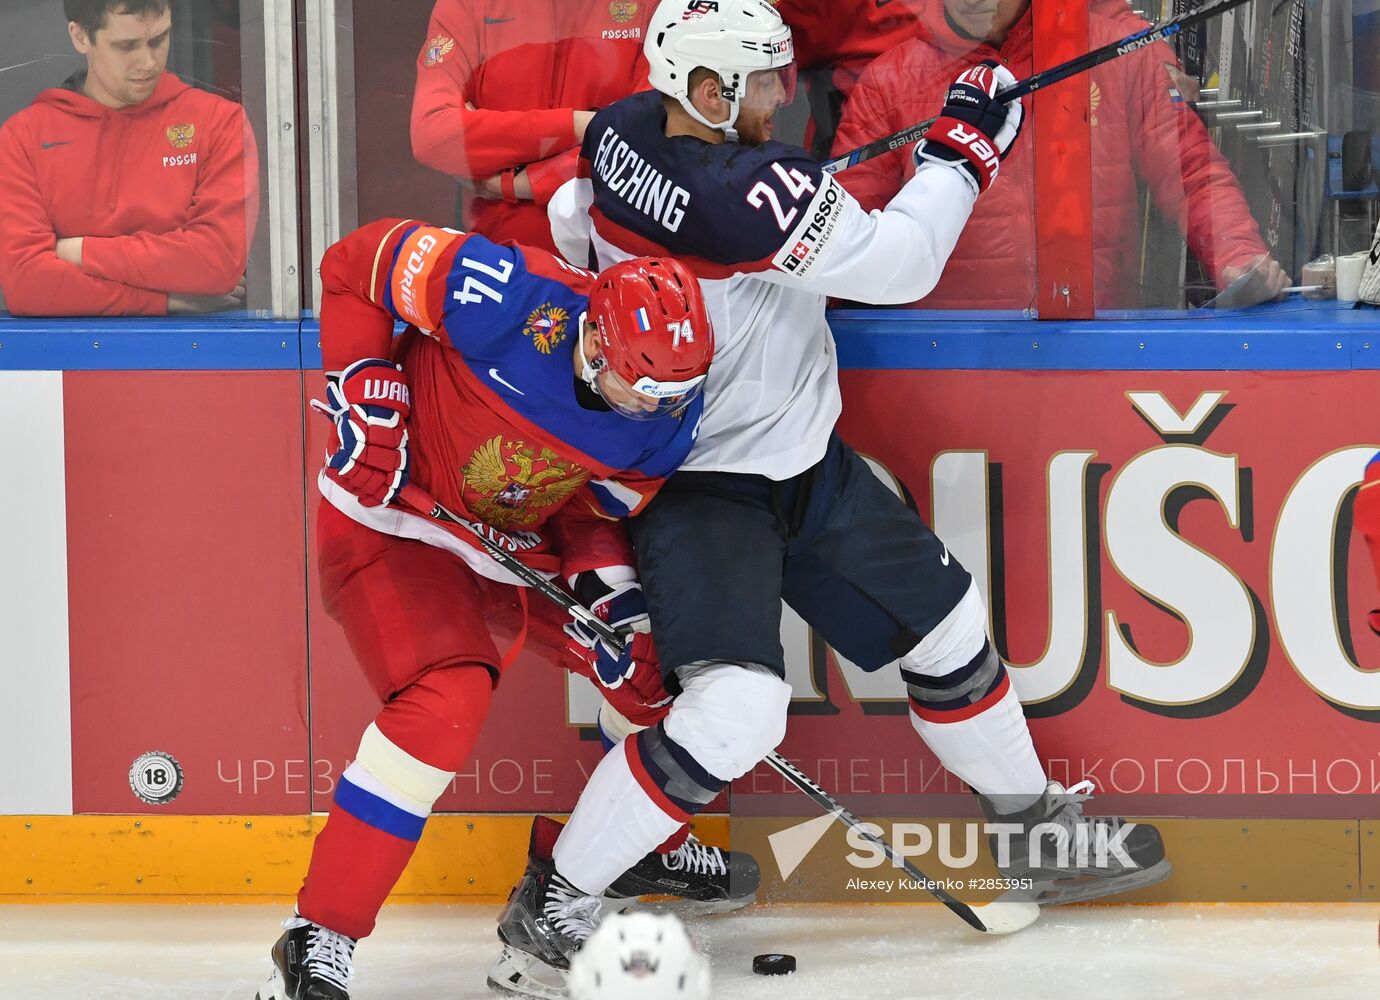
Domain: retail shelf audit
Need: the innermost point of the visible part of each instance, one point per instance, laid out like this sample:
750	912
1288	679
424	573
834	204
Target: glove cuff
354	368
949	139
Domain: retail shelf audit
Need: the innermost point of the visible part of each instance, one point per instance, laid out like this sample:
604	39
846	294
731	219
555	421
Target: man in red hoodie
504	92
1139	128
125	192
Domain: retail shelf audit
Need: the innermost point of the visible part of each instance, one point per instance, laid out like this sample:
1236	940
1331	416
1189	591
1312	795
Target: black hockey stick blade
999	917
993	918
1044	78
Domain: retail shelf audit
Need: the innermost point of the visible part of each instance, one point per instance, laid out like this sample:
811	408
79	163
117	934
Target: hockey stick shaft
422	502
1044	78
829	804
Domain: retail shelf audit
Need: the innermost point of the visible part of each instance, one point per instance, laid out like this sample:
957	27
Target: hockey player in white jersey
771	503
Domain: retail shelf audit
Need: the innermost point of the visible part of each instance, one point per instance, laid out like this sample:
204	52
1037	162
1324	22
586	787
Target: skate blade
273	989
1081	890
519	974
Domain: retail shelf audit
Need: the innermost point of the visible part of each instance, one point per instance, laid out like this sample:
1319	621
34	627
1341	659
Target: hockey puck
773	965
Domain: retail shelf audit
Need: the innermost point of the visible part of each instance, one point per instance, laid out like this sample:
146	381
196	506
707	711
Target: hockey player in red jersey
539	402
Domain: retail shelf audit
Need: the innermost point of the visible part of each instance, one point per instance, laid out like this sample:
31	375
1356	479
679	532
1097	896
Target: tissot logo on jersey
638	183
801	251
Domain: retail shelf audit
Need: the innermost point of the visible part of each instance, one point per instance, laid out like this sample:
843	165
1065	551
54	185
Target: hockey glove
639	694
369	403
975	130
624	608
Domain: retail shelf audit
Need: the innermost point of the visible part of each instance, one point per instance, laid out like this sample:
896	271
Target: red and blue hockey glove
369	403
975	131
640	696
624	608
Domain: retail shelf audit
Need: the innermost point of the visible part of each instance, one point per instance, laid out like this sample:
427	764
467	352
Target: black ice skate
702	879
545	922
1071	857
310	963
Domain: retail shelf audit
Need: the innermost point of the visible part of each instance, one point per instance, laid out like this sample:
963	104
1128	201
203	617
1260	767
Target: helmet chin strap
725	126
589	370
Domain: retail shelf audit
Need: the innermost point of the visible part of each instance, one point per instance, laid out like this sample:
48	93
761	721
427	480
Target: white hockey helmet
734	38
639	956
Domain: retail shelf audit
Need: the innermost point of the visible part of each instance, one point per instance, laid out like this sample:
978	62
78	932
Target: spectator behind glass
1138	129
835	40
504	92
124	192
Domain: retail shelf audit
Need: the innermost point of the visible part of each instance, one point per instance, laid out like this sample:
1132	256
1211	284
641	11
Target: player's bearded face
767	90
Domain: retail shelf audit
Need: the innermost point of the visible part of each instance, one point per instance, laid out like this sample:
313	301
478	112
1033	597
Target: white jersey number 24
797	185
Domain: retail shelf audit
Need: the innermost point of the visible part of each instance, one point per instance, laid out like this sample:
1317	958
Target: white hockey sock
614	826
990	751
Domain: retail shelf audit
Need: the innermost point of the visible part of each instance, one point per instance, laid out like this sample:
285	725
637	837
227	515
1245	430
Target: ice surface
1224	952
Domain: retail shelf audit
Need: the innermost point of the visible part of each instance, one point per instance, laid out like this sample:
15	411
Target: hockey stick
992	918
1079	64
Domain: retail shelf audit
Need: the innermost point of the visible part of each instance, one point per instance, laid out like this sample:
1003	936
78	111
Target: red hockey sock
406	760
675	841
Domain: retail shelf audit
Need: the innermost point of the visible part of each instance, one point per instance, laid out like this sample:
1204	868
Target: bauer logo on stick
156	777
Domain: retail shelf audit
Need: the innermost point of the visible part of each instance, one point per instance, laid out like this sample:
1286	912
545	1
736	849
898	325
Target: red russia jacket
1139	128
846	35
498	82
165	195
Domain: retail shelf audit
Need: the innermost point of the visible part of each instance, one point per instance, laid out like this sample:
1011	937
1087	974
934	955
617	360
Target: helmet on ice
639	956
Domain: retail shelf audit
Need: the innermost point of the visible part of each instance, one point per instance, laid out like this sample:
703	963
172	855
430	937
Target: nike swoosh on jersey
64	142
944	559
493	374
498	20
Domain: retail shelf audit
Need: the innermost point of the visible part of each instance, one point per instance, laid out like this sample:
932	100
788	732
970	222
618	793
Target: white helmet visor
768	89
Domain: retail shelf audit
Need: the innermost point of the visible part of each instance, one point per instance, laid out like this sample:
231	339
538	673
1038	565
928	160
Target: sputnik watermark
938	884
1084	846
1087	847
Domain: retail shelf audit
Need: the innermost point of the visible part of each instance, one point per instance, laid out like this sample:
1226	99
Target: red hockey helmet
655	338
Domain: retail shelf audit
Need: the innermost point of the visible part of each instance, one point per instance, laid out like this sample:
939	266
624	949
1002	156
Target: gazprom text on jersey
638	183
